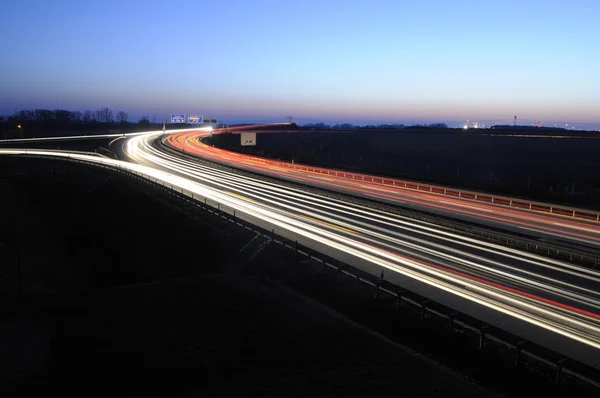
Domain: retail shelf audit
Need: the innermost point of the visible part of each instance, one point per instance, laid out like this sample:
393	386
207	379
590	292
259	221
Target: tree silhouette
61	114
76	116
105	115
122	117
88	116
108	115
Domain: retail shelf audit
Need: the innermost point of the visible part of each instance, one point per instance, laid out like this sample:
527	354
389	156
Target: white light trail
490	275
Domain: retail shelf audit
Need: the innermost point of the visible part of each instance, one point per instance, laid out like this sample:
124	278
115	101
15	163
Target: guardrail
89	136
513	240
522	204
522	352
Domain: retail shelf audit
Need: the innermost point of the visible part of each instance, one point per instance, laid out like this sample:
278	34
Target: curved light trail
556	296
557	226
551	296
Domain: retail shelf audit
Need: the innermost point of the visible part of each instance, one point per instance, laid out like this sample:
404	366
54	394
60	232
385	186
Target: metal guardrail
87	136
523	351
482	333
572	212
509	239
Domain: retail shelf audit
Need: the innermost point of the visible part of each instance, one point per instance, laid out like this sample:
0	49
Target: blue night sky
333	61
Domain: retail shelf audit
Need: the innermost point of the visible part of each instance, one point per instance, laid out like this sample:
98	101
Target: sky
332	61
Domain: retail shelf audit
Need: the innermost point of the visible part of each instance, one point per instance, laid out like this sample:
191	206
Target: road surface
559	229
546	301
532	296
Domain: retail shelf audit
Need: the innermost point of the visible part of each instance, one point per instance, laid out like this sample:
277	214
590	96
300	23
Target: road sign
195	119
180	118
248	139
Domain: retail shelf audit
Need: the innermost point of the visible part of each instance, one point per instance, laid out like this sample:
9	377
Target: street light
20	130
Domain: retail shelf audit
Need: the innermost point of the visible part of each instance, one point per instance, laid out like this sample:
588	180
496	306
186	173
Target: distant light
465	127
19	126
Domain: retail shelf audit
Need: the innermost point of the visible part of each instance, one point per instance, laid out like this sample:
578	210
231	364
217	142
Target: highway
557	297
546	301
559	229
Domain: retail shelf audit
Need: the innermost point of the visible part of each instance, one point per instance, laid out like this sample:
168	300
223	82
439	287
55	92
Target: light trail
576	230
559	297
298	203
552	295
92	136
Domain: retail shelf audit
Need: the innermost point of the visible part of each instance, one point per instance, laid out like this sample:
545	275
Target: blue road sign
195	119
178	118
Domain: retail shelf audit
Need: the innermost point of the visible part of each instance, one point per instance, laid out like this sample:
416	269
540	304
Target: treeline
349	126
58	122
103	115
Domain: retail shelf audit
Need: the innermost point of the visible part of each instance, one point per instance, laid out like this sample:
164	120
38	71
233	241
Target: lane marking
330	225
239	196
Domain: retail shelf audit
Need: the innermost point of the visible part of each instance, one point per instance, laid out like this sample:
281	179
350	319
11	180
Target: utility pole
289	118
19	273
